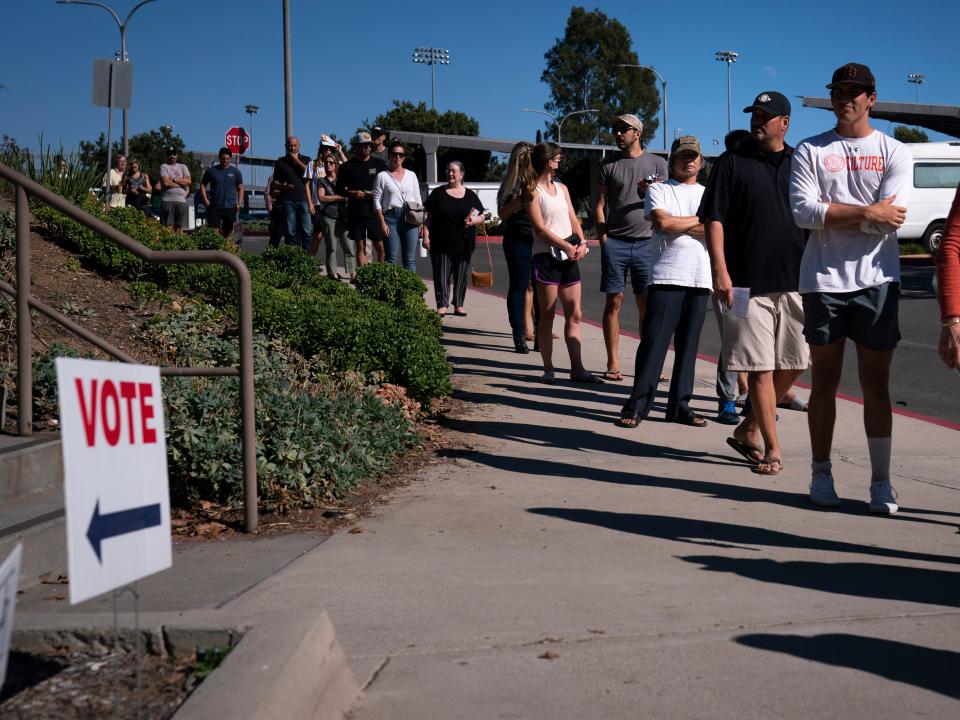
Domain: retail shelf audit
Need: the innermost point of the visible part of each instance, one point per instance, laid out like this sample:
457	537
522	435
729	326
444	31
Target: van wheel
932	237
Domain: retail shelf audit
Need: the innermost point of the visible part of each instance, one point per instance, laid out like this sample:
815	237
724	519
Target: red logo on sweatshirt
868	163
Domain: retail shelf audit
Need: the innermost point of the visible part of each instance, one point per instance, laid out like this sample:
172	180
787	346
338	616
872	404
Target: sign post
236	140
117	496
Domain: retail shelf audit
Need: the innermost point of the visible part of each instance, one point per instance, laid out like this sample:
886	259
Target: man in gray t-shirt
175	182
623	231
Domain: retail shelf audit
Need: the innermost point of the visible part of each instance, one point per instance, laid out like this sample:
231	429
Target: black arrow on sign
103	527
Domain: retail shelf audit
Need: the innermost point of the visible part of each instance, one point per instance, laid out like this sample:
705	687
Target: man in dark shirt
226	193
355	182
292	194
755	247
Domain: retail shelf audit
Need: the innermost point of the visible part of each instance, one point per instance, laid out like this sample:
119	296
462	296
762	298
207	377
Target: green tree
150	148
404	115
582	74
910	135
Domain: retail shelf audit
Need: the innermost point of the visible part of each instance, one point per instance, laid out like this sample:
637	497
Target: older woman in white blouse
394	187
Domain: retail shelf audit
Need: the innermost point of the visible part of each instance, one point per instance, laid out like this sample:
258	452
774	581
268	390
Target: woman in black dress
449	233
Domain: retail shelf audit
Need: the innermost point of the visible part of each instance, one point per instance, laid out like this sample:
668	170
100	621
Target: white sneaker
822	492
883	498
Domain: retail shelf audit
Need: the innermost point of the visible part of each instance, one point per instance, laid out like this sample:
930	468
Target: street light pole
729	57
559	123
123	46
252	110
432	56
287	73
663	86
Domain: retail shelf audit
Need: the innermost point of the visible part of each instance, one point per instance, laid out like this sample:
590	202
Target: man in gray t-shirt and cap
623	231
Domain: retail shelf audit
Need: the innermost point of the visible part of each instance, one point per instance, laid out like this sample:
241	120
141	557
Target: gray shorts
869	317
172	213
619	256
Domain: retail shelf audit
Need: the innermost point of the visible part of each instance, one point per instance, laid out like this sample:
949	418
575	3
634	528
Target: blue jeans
518	248
299	223
402	240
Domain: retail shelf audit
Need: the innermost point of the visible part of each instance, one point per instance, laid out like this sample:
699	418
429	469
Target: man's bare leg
759	427
827	361
611	329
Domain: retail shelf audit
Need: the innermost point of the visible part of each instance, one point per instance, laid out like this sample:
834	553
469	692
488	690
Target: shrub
391	284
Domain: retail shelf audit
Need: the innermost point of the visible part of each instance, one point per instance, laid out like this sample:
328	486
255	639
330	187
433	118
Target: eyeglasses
396	154
330	162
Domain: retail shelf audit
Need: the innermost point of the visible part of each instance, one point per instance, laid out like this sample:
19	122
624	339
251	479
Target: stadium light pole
432	56
123	45
663	86
251	110
729	57
917	79
559	123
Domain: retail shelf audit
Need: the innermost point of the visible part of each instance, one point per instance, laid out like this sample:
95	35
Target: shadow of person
888	582
927	668
703	532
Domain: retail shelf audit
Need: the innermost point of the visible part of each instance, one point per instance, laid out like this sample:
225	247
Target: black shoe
629	415
520	344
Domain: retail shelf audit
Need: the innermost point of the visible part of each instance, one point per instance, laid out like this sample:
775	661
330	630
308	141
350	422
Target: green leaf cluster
582	74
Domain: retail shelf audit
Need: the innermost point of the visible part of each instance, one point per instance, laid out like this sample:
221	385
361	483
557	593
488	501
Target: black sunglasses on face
622	129
396	154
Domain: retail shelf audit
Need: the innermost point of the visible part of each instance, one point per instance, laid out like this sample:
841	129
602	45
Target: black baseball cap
377	131
771	102
172	151
853	74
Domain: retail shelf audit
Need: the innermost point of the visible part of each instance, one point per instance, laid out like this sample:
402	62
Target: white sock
879	458
824	466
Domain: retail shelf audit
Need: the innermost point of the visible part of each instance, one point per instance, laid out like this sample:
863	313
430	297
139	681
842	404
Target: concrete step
29	465
31	505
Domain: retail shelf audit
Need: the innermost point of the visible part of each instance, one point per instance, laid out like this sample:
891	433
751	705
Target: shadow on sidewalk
888	582
725	535
926	668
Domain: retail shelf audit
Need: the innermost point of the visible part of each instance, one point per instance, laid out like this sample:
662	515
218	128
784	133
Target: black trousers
447	268
674	311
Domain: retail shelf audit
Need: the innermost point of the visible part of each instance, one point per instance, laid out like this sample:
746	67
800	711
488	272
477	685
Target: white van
936	175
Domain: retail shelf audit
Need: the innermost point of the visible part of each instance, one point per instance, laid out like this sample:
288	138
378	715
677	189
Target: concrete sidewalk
558	566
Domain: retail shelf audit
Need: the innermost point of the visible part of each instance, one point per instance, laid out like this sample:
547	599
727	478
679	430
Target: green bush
391	284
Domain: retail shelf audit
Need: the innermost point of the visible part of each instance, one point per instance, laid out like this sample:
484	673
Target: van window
936	175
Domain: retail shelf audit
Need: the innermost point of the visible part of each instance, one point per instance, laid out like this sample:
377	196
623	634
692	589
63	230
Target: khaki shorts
769	338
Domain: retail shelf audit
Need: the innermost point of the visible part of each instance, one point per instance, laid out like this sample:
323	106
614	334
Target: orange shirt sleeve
948	263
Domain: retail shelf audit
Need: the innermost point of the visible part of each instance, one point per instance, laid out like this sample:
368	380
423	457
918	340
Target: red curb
712	359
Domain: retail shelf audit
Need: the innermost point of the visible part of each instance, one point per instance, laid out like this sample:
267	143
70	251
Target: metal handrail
24	187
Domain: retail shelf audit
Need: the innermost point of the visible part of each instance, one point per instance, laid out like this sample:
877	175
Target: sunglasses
622	129
396	154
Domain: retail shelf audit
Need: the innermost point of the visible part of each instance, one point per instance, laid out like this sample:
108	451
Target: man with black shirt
292	193
355	182
226	193
756	247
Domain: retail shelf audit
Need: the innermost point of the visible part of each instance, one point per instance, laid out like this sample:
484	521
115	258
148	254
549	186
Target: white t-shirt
678	258
389	193
828	168
114	178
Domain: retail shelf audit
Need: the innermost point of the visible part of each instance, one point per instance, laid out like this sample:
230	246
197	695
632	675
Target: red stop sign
237	140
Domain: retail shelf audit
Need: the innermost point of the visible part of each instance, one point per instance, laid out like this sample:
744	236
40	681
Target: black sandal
629	415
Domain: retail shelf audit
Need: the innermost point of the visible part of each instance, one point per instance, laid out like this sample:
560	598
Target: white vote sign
9	573
114	474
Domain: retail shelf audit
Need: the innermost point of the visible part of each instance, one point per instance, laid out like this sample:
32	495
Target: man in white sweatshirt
849	187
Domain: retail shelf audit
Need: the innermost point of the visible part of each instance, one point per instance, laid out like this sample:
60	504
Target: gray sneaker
822	492
883	498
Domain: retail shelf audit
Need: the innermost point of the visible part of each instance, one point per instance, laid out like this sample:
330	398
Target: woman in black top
512	201
449	233
137	187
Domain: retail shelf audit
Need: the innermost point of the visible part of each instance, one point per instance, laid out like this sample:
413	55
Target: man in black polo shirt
226	193
756	247
355	182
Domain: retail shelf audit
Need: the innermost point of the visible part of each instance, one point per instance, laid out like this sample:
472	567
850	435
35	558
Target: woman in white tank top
558	245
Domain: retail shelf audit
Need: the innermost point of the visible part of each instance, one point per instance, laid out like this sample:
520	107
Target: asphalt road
920	382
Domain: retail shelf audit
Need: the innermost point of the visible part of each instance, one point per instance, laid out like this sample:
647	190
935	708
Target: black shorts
869	317
222	218
547	270
365	228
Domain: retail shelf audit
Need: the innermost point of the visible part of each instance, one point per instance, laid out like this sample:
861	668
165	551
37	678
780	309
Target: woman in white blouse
391	190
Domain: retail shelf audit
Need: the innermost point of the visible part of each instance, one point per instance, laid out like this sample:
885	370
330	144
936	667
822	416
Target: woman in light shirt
393	188
558	246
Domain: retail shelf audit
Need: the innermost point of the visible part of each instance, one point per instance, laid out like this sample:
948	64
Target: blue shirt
223	183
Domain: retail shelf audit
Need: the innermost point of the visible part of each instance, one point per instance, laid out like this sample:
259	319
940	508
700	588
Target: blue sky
197	64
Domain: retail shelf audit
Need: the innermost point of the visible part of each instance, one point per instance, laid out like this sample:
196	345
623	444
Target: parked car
936	175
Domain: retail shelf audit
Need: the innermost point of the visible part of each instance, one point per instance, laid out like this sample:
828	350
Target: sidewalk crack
376	673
